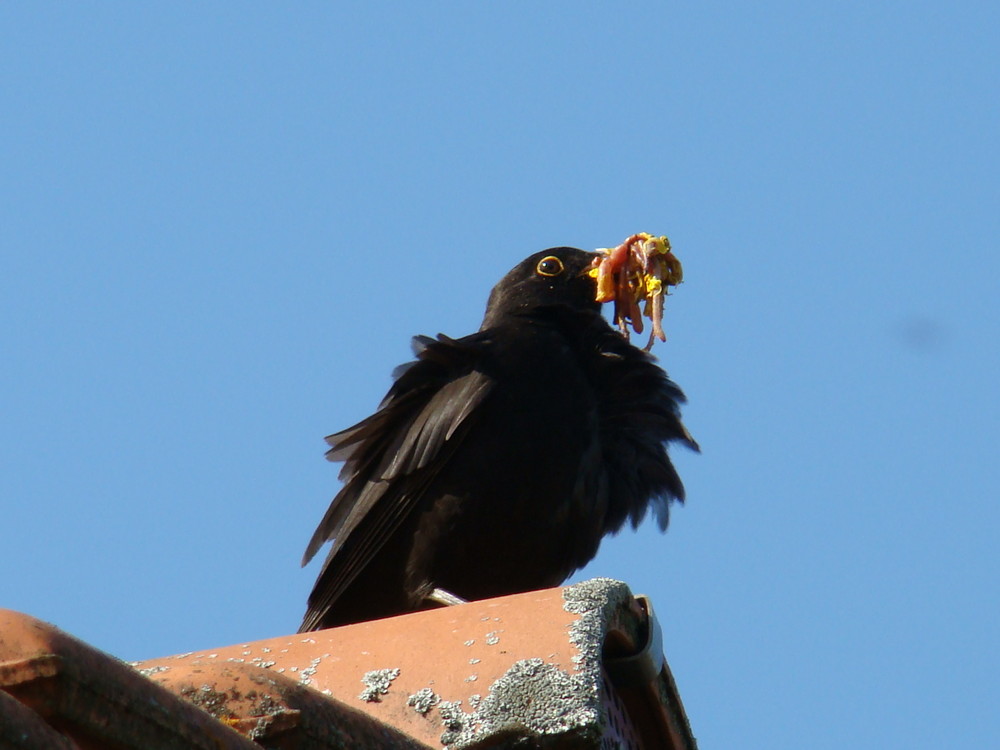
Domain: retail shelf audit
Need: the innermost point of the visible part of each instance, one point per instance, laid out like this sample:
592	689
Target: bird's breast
513	491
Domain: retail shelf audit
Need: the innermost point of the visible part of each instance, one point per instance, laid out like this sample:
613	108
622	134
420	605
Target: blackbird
497	461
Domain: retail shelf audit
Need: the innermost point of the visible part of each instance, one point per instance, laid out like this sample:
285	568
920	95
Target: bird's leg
444	598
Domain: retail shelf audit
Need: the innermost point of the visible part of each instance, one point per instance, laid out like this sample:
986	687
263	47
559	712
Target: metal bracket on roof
645	665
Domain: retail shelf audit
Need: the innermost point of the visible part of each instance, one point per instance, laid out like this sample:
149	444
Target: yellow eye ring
550	265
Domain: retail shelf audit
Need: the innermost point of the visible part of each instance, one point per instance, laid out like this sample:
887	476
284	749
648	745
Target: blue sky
221	225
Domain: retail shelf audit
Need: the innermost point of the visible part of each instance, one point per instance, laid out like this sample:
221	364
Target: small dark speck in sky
920	333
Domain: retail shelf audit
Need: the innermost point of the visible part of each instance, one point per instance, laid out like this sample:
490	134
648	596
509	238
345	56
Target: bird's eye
550	265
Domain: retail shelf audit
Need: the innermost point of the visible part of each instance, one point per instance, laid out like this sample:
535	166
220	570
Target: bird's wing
391	456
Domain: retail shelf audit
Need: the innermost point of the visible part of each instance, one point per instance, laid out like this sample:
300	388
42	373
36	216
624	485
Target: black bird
497	461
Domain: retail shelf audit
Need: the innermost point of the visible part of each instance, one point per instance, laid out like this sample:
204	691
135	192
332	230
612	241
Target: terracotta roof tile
579	667
93	699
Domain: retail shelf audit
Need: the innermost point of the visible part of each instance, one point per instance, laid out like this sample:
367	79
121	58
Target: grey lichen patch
538	698
150	671
493	638
210	700
423	700
307	673
596	601
535	698
454	719
273	718
264	708
263	704
586	597
377	683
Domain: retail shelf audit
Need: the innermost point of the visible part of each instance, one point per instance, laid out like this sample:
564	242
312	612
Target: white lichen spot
377	683
423	700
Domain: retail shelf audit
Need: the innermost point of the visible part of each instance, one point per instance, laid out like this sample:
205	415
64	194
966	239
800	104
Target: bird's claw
444	598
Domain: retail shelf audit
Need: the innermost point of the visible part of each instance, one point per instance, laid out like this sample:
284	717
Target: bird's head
557	276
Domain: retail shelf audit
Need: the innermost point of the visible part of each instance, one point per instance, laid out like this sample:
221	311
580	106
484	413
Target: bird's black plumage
497	461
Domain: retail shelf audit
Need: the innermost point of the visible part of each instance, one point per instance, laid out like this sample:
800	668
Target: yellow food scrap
641	269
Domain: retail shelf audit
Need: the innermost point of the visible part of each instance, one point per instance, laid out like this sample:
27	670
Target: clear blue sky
221	223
